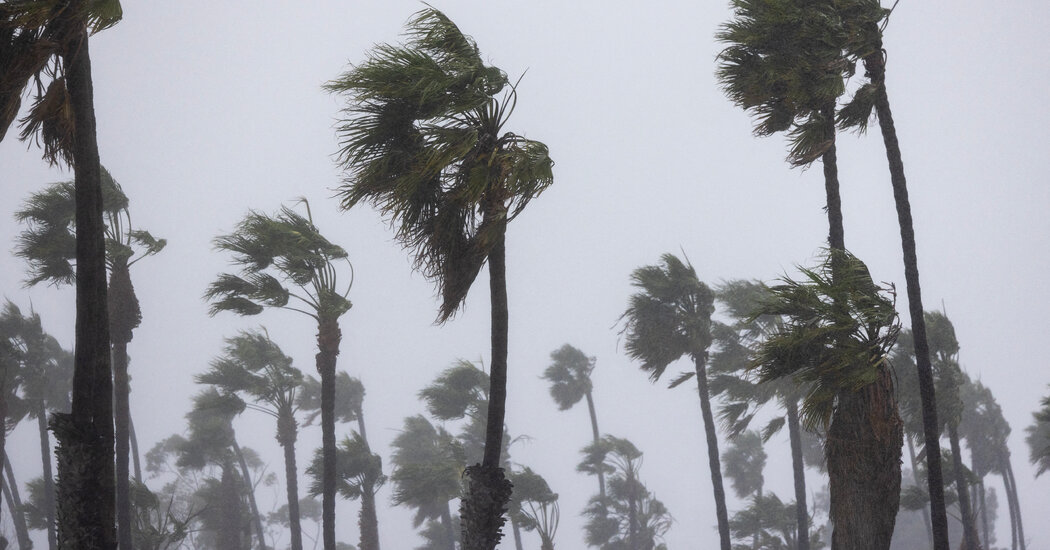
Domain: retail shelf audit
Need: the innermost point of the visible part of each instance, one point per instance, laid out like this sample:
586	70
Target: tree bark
86	516
487	489
250	489
918	483
46	473
1013	511
799	467
450	532
874	65
14	503
286	433
229	530
328	338
967	519
516	530
134	450
368	522
122	413
984	516
597	436
712	451
1017	503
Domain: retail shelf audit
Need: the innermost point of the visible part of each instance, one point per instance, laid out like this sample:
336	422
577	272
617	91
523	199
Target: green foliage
428	466
422	143
349	398
358	469
570	376
772	522
459	391
1038	438
837	332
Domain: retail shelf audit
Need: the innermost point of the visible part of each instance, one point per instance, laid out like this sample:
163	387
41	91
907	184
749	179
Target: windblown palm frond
460	390
570	376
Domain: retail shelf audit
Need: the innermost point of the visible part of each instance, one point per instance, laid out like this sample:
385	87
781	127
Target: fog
209	109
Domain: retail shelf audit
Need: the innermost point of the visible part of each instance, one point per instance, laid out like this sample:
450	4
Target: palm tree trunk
799	467
229	531
86	511
286	433
968	524
1013	511
597	436
134	450
14	503
328	338
632	514
368	522
984	515
487	488
712	452
122	414
874	65
836	234
1017	503
757	536
918	483
245	473
516	530
49	480
450	532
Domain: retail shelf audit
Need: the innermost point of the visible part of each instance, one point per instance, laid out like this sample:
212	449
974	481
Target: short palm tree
44	46
424	142
838	329
360	473
668	318
287	263
1038	438
535	505
48	244
254	367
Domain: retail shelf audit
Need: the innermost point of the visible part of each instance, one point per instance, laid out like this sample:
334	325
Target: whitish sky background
208	109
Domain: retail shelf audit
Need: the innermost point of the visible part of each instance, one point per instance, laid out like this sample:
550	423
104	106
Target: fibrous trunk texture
874	65
286	435
124	317
963	489
712	451
799	468
487	488
328	338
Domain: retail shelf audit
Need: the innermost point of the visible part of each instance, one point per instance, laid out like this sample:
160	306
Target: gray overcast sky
207	109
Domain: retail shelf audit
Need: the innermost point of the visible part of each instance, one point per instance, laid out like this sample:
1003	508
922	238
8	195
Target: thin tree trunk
632	514
46	473
968	524
799	468
286	432
14	503
368	521
229	531
487	488
121	415
874	64
250	489
450	532
597	436
517	534
86	514
918	483
134	449
984	515
1013	511
757	536
712	451
328	338
1017	503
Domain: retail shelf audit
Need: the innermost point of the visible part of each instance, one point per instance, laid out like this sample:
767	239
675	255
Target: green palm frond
460	390
570	376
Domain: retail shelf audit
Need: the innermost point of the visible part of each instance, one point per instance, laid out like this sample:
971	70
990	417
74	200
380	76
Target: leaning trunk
516	529
597	436
918	483
14	503
86	496
984	513
328	338
487	488
122	413
49	480
228	535
799	468
874	64
863	450
248	488
1017	502
712	452
134	450
450	532
968	524
368	522
286	435
1010	507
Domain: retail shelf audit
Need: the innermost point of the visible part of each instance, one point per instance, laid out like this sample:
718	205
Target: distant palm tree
44	46
535	505
424	143
287	263
48	245
744	461
253	366
838	330
428	466
1038	438
360	473
668	318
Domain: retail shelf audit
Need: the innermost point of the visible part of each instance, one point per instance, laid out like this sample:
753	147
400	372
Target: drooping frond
460	390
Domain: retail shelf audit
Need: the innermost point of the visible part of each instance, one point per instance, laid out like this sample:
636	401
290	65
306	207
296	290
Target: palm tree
669	318
865	21
285	258
428	466
48	245
570	376
744	460
44	377
423	144
839	327
48	42
360	473
1038	438
535	506
254	366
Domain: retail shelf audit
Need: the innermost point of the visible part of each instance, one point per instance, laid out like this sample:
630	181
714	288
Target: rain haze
207	110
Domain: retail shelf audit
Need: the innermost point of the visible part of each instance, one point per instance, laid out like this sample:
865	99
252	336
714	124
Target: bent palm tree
287	249
48	42
669	318
424	143
428	466
1038	438
360	473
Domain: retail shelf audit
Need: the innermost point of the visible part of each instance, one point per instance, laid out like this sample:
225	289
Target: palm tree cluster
424	139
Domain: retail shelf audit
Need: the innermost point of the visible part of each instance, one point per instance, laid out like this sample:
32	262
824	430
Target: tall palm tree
48	42
48	245
744	461
839	327
423	142
287	263
668	318
865	20
428	466
44	377
253	366
570	376
360	473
